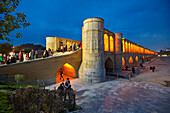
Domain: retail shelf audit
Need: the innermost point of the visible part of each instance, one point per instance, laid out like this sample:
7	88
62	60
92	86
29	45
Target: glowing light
106	43
136	58
68	45
131	60
123	43
111	44
126	45
123	62
68	70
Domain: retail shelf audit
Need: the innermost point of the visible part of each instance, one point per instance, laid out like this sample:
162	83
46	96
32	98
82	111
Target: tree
11	20
5	48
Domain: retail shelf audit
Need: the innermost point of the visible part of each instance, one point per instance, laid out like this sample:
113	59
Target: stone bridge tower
92	68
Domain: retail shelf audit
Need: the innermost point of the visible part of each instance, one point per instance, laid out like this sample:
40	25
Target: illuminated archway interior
123	63
111	44
106	43
68	72
136	59
131	60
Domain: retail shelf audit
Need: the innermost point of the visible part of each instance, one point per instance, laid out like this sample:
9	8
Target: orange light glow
129	47
126	45
68	72
111	44
136	58
131	60
106	43
123	62
68	45
123	43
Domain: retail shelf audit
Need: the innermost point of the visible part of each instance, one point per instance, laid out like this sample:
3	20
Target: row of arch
108	43
127	46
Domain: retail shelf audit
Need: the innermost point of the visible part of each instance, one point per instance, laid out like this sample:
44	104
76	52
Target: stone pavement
121	96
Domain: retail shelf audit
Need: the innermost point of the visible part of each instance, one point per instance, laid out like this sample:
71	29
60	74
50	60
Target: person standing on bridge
32	54
21	57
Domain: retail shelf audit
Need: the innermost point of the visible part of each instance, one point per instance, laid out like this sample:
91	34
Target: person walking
36	55
126	68
133	70
32	54
1	58
153	68
61	74
5	58
20	56
45	54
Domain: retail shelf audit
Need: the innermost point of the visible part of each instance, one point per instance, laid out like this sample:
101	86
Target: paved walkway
122	96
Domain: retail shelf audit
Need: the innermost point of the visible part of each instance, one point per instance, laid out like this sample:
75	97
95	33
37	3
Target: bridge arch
68	72
131	61
109	66
123	63
137	59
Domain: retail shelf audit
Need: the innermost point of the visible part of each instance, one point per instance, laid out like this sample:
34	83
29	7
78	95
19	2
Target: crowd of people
13	57
72	47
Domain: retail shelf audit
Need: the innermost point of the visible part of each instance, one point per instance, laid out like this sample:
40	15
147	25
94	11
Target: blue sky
146	22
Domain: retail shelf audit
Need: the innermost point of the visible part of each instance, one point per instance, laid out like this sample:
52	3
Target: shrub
36	100
18	77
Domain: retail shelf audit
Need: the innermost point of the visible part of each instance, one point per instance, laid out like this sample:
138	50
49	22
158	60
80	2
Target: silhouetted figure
20	56
45	54
36	54
126	68
153	68
32	54
133	70
61	74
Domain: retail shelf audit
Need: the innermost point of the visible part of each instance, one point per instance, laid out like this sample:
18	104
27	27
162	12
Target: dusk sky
145	22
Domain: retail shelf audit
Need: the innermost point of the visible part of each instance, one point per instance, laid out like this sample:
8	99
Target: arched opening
123	63
123	43
109	66
106	43
131	61
68	45
136	59
111	44
67	71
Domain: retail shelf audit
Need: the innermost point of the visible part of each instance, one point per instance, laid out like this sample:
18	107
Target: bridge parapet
43	68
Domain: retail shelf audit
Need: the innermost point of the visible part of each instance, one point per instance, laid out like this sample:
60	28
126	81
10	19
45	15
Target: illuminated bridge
103	52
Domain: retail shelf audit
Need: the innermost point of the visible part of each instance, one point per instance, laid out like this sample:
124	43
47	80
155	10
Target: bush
18	77
36	100
4	106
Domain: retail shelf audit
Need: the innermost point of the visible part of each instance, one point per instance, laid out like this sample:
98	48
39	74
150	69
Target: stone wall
43	68
92	68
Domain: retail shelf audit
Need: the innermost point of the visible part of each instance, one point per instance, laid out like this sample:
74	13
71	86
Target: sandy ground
161	74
